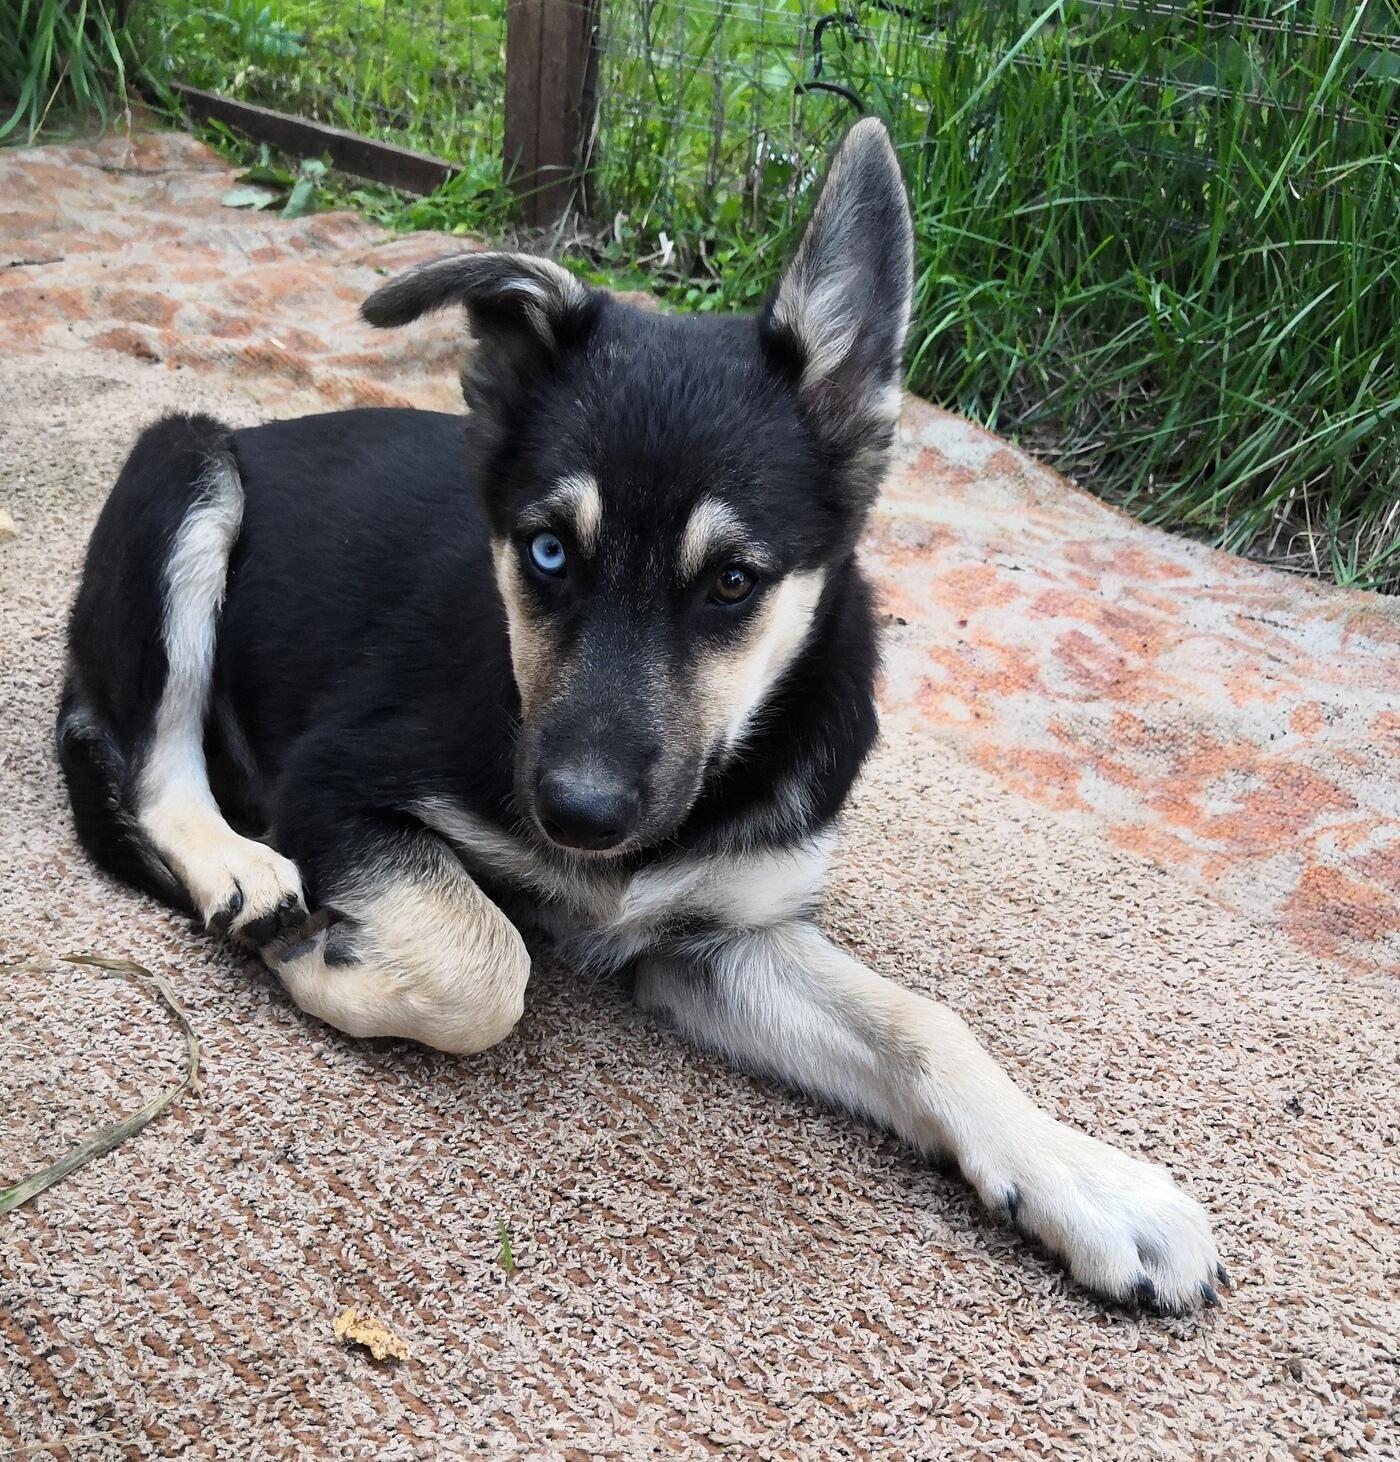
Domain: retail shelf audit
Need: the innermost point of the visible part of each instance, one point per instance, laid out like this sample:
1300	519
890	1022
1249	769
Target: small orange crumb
353	1328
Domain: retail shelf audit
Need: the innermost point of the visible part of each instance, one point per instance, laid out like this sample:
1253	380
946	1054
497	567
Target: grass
505	1254
57	58
1159	249
428	74
105	1139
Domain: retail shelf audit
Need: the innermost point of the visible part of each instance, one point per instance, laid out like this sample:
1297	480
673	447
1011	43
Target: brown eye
732	585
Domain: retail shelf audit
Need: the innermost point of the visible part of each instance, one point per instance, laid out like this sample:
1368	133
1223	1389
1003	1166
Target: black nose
585	811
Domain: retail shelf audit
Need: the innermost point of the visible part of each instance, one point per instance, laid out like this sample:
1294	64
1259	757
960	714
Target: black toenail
1222	1278
1011	1202
1145	1293
221	920
1209	1297
259	931
289	912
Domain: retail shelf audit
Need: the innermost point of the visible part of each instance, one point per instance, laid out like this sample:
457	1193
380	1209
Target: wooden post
550	95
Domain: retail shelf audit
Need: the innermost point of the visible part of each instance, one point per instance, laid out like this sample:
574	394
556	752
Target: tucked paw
375	978
1120	1226
249	892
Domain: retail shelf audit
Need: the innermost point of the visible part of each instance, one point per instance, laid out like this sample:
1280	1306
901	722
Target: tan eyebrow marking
579	498
712	524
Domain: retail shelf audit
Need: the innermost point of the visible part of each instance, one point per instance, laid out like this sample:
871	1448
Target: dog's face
669	496
662	538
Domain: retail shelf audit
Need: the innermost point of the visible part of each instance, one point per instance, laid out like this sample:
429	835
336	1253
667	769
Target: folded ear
523	311
836	324
496	286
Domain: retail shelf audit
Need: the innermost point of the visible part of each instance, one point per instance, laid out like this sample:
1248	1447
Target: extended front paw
1121	1227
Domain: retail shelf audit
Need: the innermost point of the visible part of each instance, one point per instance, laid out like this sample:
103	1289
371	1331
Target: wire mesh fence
1156	238
708	107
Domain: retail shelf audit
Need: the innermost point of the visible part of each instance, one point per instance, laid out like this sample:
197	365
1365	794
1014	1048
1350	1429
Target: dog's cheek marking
733	684
529	652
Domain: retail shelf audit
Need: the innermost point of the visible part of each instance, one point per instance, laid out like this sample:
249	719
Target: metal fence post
550	68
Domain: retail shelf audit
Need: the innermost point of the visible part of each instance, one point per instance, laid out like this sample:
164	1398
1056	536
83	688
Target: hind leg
141	656
237	885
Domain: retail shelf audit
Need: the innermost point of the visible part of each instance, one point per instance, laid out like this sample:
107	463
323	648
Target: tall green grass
58	58
1158	240
1168	256
1161	249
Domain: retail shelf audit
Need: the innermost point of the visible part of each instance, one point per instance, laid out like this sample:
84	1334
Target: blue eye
547	554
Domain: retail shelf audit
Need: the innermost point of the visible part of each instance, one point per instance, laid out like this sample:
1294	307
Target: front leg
404	942
787	1003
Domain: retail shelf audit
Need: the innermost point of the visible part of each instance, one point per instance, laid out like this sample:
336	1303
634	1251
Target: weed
1157	243
58	57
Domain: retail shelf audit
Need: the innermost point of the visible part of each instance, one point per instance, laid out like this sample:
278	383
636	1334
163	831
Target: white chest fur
611	917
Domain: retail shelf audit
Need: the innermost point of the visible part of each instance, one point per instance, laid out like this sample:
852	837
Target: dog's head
669	496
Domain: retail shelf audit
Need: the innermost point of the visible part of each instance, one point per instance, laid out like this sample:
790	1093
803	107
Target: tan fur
576	502
712	525
530	648
214	863
436	962
731	684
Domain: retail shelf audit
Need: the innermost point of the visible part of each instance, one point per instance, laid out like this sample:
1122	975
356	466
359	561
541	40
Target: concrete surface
1136	814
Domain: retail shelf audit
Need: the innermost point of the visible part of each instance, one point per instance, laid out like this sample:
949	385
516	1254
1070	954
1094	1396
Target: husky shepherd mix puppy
599	652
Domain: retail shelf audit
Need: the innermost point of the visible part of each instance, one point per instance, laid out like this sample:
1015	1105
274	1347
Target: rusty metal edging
379	162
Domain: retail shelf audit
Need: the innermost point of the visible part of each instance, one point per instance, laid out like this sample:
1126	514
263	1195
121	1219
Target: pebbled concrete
1135	815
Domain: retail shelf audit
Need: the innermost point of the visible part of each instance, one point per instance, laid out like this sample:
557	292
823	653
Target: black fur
362	658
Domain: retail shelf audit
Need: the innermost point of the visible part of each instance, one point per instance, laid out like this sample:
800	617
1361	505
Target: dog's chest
612	917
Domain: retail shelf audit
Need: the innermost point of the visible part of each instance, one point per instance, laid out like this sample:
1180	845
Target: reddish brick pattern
1089	728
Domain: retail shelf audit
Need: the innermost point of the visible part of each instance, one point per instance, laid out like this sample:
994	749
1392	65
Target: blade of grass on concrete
106	1138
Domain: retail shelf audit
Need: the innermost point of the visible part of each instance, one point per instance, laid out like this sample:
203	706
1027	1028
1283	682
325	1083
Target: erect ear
838	320
523	311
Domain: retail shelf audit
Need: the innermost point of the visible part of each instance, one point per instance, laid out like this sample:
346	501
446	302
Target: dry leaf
353	1328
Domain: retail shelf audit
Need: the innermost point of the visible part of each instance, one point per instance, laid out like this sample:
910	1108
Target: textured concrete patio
1136	815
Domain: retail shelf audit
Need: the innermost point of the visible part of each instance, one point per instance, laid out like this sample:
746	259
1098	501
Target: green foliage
1157	242
58	57
270	185
1160	250
423	73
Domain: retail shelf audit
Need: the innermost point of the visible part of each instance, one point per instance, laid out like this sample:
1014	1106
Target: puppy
346	687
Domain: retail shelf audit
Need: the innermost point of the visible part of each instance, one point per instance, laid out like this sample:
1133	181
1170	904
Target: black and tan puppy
602	648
